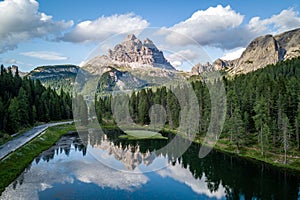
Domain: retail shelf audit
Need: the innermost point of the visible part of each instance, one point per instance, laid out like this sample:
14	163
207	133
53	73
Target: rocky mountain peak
134	53
130	37
148	43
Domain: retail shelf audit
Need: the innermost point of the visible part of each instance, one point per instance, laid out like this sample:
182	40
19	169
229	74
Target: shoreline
32	149
10	169
247	154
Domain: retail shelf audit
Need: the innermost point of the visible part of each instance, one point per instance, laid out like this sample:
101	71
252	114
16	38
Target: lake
109	167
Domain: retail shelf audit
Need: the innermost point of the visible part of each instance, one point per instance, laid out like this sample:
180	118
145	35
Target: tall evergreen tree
24	107
13	119
261	120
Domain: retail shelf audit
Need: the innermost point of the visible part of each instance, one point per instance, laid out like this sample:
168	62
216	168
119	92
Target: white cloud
231	55
225	28
20	20
44	55
213	26
284	21
176	59
200	186
66	172
103	27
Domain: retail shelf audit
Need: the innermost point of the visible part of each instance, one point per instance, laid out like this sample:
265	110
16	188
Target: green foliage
256	105
24	102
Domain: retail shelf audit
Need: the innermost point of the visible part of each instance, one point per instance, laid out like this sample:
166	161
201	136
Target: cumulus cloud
103	27
44	55
284	21
200	186
20	20
213	26
176	59
231	55
224	28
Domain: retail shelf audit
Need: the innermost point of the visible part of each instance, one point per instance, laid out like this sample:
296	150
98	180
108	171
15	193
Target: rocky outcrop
217	65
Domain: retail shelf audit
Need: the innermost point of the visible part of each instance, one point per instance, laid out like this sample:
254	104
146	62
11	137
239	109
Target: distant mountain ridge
133	62
56	76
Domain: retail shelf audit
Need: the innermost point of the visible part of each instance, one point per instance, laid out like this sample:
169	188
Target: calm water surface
70	170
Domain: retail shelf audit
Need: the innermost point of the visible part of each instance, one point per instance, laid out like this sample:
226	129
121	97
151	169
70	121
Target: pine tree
13	119
2	114
297	126
237	128
261	120
285	136
83	110
143	108
23	104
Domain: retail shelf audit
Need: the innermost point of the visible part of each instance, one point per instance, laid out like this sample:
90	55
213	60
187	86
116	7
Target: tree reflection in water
217	171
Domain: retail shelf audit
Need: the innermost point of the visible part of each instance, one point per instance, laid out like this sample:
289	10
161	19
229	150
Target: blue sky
34	33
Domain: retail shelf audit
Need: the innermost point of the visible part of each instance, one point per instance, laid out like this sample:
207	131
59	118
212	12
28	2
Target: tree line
263	109
23	102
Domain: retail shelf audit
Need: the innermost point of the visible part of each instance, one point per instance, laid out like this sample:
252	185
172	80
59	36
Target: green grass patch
141	135
13	165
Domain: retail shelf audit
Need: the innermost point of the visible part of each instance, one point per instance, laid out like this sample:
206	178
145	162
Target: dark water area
108	167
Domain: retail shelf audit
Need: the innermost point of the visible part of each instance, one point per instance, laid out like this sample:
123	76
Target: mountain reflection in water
71	170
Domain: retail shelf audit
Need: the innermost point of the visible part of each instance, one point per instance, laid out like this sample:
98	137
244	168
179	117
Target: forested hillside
24	102
263	109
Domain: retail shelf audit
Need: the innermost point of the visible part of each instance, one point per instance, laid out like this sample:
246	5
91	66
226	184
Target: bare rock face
131	54
260	52
290	43
132	50
268	49
217	65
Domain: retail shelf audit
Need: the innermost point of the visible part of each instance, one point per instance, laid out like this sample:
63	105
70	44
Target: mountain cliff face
268	49
290	43
131	54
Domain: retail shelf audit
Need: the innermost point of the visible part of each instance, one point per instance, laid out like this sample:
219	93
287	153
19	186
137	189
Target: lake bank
16	162
251	153
28	152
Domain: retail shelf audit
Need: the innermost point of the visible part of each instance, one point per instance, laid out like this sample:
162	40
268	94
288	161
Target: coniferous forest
263	109
23	102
